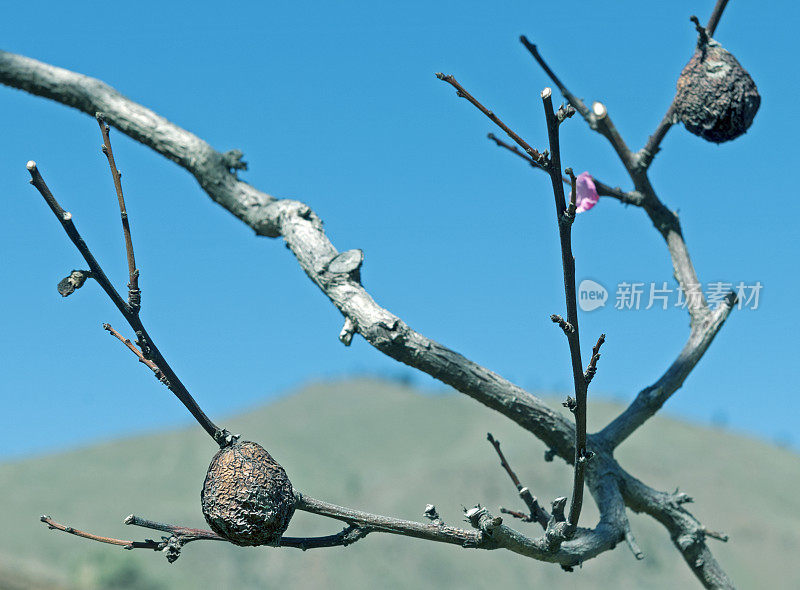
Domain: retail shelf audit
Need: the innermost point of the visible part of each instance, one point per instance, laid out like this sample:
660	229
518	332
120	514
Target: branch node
631	542
232	160
432	514
563	324
347	263
557	509
473	515
224	438
348	331
715	535
564	112
462	93
592	368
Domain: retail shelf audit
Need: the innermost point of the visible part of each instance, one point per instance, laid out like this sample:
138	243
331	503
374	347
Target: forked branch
565	215
535	512
705	323
462	93
131	315
178	536
611	487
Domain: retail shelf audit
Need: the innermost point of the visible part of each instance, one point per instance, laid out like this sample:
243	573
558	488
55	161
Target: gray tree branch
336	274
705	323
303	233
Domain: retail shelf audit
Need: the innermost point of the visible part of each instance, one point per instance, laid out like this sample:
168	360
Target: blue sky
336	104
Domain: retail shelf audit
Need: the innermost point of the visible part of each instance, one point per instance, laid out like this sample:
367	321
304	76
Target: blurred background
336	104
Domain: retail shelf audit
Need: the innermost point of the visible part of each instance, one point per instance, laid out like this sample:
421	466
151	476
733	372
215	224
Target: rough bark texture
716	99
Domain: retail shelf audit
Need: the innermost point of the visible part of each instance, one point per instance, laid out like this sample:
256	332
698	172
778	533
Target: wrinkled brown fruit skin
247	497
716	99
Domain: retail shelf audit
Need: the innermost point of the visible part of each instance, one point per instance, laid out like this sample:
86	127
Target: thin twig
149	349
134	294
517	514
460	91
603	189
715	535
664	220
53	525
570	295
349	535
606	127
179	536
716	14
576	102
592	368
651	148
594	116
516	151
503	463
537	513
562	323
170	545
132	347
631	541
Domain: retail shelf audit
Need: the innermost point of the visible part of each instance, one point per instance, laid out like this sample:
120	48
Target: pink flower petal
587	192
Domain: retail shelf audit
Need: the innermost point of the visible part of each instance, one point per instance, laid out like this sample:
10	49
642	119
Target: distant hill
389	449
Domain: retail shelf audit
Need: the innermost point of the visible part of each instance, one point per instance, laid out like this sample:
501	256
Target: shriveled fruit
716	99
247	497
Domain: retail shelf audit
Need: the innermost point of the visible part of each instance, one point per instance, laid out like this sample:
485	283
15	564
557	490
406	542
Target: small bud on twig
68	285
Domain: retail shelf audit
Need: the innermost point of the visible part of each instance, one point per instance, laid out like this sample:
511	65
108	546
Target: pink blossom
587	192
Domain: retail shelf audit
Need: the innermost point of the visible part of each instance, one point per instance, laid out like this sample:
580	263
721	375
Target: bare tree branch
53	525
565	215
611	487
134	294
489	533
604	190
462	93
650	399
663	219
687	534
536	512
171	545
605	127
142	359
716	15
179	536
302	230
131	315
705	323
